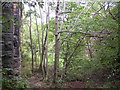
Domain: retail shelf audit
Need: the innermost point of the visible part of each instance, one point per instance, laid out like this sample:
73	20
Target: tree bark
47	33
42	49
89	50
57	47
38	36
66	59
31	46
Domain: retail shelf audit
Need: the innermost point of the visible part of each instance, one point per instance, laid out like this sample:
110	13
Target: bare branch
72	12
73	42
89	34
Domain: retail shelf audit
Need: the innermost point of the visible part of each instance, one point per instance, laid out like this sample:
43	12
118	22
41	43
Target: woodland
66	44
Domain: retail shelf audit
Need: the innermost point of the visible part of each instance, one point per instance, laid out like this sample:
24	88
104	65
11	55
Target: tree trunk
89	50
35	58
57	47
38	35
66	59
42	39
47	33
31	46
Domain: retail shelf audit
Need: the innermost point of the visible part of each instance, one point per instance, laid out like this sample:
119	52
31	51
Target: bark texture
57	43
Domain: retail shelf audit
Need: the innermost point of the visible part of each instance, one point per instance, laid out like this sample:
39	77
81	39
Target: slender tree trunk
62	17
57	43
44	49
41	69
22	40
36	60
38	36
47	33
72	53
66	60
89	50
42	39
35	57
31	46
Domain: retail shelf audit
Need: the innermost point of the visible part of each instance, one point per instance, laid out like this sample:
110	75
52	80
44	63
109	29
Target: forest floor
37	82
93	81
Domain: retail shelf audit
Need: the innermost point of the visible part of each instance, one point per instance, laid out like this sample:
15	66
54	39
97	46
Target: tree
57	43
47	35
38	36
41	70
31	45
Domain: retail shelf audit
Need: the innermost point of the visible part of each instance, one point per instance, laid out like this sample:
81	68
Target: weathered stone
15	41
7	54
7	27
16	30
7	20
16	52
7	36
16	63
10	40
7	64
7	46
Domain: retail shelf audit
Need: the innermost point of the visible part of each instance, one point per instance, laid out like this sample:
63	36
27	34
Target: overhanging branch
88	34
72	12
85	33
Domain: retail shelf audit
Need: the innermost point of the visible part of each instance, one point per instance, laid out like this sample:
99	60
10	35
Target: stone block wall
11	17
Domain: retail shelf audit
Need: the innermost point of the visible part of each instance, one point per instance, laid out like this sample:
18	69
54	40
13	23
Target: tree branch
89	34
75	48
111	13
71	12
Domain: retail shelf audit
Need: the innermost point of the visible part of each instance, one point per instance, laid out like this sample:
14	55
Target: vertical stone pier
11	19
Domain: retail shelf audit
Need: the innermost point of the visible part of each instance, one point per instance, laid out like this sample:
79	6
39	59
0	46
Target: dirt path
76	84
37	82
